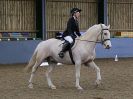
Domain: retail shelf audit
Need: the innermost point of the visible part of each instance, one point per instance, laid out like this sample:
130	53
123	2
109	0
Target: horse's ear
108	26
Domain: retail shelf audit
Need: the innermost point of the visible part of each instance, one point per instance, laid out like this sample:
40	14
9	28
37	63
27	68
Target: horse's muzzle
108	47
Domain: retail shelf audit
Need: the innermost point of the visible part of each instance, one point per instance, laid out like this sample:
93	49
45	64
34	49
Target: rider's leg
66	46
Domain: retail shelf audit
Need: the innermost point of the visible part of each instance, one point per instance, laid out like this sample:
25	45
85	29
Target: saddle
59	36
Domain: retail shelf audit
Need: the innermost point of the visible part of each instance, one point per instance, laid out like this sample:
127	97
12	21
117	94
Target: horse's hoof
97	83
79	88
53	87
30	86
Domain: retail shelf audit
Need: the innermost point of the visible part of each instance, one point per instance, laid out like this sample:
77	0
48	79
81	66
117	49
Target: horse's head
104	36
98	33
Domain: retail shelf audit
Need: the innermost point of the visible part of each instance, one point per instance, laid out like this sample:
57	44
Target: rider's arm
70	26
77	31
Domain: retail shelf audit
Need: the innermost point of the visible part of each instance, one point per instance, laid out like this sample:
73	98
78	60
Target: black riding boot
65	47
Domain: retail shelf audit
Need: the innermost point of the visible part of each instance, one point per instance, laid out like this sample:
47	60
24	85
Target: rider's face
77	14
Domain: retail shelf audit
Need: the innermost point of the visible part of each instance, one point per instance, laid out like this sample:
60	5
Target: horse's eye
105	33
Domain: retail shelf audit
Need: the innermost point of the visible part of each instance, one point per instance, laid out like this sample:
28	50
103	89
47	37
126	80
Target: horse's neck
90	39
86	44
89	45
91	35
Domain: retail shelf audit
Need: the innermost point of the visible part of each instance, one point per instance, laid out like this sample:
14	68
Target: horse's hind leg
97	69
48	76
34	68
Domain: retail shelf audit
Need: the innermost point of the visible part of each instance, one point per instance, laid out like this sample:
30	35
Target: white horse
83	53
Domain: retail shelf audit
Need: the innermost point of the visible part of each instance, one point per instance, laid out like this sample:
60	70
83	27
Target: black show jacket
72	28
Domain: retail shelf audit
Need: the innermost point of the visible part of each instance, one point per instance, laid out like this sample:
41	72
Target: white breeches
69	39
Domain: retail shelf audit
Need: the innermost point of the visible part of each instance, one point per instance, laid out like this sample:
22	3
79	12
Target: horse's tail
31	62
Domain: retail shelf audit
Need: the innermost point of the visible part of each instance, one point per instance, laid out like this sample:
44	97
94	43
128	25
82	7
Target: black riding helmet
74	10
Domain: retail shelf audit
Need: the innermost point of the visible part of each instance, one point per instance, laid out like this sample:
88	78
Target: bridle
102	37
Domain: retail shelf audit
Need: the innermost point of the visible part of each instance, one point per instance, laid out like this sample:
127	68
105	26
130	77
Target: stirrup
61	54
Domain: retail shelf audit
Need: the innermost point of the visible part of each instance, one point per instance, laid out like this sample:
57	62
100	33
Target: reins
102	39
89	41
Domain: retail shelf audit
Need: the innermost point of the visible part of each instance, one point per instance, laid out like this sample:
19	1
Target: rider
72	30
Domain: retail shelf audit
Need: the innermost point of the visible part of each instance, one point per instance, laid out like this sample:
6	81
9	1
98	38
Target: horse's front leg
97	69
77	68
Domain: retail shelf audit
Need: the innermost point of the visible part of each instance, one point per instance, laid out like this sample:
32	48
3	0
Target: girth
71	56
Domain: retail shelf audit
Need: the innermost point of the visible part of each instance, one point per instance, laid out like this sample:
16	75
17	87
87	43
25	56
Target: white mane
92	29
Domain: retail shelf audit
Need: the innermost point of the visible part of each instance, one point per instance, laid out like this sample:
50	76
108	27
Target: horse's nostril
107	47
